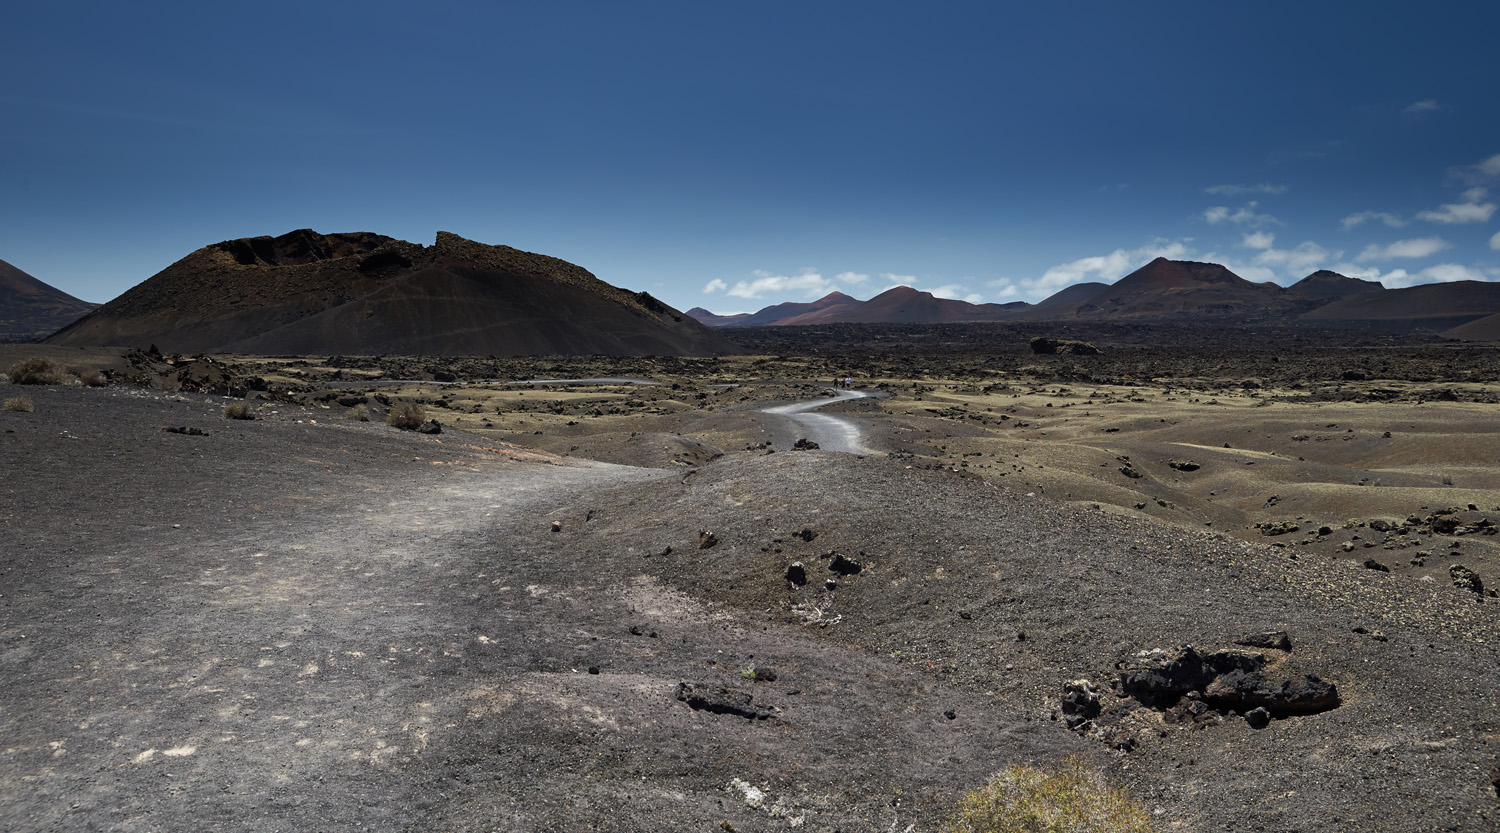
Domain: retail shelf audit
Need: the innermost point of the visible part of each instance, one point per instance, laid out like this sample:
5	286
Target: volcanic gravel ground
284	624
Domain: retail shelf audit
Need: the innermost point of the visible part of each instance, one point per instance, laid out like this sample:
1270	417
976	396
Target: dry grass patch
19	404
37	370
408	416
1025	799
238	410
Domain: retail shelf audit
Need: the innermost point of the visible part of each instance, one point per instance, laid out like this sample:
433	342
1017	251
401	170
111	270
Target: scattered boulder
1227	680
1258	718
1277	640
1183	465
1051	346
183	429
706	539
431	426
806	534
1466	579
796	573
844	565
1080	704
804	444
719	699
1372	564
1277	527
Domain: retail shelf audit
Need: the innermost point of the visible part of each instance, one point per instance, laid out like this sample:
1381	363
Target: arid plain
314	618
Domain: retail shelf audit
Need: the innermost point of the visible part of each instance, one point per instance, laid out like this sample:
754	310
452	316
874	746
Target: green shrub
407	416
20	404
37	370
238	410
1024	799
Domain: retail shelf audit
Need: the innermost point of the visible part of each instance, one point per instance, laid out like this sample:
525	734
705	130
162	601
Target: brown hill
30	309
1434	306
833	303
708	319
1325	285
1180	289
904	304
1067	298
365	294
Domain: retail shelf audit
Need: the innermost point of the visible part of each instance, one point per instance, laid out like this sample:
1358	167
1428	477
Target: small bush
358	413
94	378
1024	799
37	370
20	404
238	410
407	416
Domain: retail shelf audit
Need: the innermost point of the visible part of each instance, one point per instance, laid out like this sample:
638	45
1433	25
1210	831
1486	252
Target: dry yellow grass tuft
1025	799
19	404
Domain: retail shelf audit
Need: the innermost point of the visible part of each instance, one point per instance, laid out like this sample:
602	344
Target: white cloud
1240	190
956	291
809	284
1307	257
1470	210
850	277
1420	108
1495	241
1259	240
1244	216
1005	289
1417	247
1484	172
1357	219
1400	278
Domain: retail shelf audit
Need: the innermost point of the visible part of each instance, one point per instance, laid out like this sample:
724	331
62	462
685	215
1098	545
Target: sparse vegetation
238	410
1025	799
407	416
93	378
37	370
19	404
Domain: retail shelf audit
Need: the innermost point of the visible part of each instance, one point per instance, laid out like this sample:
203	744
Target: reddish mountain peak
897	292
832	298
1167	273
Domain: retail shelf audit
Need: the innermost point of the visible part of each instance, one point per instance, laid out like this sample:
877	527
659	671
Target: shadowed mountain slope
367	294
30	309
1433	306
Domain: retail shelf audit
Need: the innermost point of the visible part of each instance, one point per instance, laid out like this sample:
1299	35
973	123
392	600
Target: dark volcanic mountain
777	314
1324	285
30	309
1434	306
899	305
1069	297
1181	289
905	305
367	294
708	319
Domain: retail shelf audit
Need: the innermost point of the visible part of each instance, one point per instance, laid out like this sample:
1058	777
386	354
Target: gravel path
831	433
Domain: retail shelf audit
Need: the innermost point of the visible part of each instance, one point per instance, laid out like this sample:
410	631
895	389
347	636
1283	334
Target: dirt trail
831	433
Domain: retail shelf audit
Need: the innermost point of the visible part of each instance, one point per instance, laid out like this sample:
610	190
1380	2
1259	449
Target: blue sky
737	155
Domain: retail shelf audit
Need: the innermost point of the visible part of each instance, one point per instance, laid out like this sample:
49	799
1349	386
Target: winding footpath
830	432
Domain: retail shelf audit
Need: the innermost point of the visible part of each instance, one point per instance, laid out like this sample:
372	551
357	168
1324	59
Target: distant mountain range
366	294
30	309
1175	290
